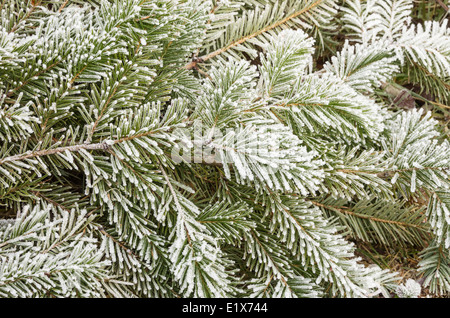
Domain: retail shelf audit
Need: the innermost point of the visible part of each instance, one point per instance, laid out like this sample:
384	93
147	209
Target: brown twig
443	5
63	5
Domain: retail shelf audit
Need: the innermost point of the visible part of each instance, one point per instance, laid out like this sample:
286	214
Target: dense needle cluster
191	148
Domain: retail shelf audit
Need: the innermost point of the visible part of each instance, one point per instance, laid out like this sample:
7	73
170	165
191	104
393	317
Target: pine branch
244	39
132	176
46	152
363	216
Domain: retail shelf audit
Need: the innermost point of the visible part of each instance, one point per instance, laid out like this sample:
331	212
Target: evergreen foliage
220	148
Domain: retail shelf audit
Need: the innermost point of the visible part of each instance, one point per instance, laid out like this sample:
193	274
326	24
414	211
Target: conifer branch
362	216
242	40
47	152
299	154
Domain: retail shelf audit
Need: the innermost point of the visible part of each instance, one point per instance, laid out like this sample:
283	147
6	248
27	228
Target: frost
411	289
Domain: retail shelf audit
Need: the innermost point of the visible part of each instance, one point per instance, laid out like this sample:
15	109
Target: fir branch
34	5
242	40
368	217
299	146
46	152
